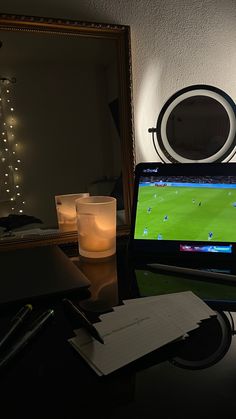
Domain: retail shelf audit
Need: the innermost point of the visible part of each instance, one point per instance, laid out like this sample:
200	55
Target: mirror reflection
196	122
60	126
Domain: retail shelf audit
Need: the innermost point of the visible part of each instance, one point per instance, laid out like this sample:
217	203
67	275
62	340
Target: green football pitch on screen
186	213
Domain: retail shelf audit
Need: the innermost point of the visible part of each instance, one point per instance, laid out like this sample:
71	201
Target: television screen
189	207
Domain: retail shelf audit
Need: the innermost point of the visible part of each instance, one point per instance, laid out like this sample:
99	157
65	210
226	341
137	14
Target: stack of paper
138	327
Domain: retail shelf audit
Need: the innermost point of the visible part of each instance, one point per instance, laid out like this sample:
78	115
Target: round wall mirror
196	124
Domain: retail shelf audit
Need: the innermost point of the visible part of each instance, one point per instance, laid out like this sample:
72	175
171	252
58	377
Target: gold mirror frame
121	35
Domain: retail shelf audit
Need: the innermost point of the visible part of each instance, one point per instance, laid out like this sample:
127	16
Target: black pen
34	328
84	321
16	322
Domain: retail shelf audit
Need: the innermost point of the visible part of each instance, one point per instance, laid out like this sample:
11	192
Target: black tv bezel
169	250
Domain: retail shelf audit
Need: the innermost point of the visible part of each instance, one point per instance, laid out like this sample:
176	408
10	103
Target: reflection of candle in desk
96	227
104	286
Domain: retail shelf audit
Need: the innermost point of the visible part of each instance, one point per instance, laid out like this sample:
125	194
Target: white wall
175	43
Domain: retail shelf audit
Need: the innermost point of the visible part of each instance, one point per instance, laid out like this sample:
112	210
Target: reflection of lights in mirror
11	198
57	134
206	345
196	124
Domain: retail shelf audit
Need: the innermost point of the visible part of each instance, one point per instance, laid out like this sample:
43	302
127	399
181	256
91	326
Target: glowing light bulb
6	174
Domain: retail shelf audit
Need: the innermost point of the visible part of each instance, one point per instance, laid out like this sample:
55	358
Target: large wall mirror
65	120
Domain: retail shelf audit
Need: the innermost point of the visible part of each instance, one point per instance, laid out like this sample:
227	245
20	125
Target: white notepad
138	327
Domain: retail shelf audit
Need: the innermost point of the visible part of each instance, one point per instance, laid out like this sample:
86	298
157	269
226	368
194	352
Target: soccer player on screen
210	235
165	218
145	231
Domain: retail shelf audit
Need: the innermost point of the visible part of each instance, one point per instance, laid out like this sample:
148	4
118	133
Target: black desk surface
48	379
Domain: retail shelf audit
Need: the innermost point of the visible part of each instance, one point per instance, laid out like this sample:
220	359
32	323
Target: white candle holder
66	211
96	222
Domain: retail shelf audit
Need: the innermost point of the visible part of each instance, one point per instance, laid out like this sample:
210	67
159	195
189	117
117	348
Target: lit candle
96	239
96	220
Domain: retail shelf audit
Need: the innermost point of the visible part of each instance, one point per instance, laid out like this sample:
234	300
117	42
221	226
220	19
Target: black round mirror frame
196	124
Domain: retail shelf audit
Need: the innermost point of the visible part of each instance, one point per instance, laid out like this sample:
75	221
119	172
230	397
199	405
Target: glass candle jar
96	223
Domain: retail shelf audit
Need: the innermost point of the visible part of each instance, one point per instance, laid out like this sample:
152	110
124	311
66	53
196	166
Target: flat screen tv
184	209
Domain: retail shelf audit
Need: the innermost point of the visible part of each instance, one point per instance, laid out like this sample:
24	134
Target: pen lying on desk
84	321
34	328
16	322
191	271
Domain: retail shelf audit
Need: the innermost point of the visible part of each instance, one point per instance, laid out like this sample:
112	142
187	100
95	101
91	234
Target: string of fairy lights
11	176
